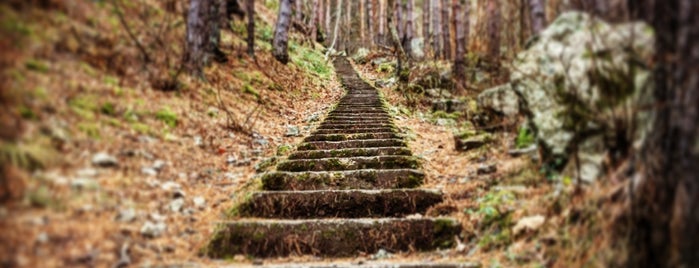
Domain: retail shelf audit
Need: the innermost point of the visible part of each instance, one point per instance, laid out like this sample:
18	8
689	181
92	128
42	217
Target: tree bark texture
446	32
426	25
409	28
538	15
298	10
494	20
665	201
382	21
250	6
370	22
460	29
198	36
280	42
327	17
436	29
313	21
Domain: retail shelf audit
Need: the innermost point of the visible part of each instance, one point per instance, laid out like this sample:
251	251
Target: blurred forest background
563	131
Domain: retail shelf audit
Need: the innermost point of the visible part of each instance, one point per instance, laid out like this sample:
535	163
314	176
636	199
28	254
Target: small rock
176	204
381	254
170	186
149	171
199	202
292	131
198	141
124	259
315	117
152	230
103	159
445	122
262	142
126	215
471	143
158	164
42	238
448	105
84	184
530	150
531	223
147	139
484	169
414	216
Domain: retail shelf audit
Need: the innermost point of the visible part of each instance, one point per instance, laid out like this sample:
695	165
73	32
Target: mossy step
373	264
357	122
360	110
359	136
359	114
350	163
343	180
355	117
377	151
331	237
352	126
355	131
339	203
327	145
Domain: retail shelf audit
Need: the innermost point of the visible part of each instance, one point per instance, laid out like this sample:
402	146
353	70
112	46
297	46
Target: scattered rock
42	238
153	229
530	150
501	99
292	131
484	169
147	139
360	57
84	184
386	83
159	165
448	105
124	259
445	122
176	204
569	80
381	254
417	48
437	93
199	202
126	215
531	223
470	143
87	173
315	117
149	171
198	141
103	159
170	186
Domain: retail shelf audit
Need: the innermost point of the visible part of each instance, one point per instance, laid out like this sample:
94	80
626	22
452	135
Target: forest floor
114	170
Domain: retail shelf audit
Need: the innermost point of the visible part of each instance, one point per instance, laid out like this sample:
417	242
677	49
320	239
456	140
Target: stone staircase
350	188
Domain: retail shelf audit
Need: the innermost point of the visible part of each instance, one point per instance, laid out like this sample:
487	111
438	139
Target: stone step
339	203
351	163
331	237
372	264
354	131
345	137
358	118
352	126
377	151
327	145
343	180
362	122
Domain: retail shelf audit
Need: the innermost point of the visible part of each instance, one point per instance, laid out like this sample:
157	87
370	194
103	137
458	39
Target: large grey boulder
501	99
582	83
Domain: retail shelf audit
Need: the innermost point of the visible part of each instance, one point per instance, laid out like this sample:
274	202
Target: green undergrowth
311	60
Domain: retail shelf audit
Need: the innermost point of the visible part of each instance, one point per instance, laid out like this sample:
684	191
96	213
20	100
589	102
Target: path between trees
350	188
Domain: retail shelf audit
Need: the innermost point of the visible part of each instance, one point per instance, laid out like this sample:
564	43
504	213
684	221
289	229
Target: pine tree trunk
313	21
446	33
436	29
198	36
398	17
250	6
338	17
280	42
328	18
409	28
538	15
665	201
494	21
460	13
426	25
298	10
370	22
382	21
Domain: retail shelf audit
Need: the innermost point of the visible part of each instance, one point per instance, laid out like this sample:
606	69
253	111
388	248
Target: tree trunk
250	6
446	33
436	29
370	22
398	18
338	17
313	21
460	30
199	36
327	18
494	31
395	41
426	25
665	201
298	10
538	15
280	42
362	23
409	28
382	21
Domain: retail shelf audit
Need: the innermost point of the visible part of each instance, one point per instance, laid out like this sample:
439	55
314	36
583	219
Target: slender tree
280	42
398	18
199	36
382	21
395	41
494	21
250	6
446	33
313	21
298	10
461	8
327	18
665	192
370	22
538	15
338	17
409	28
436	29
426	24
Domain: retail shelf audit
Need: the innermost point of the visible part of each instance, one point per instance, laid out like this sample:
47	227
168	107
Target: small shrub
167	116
525	138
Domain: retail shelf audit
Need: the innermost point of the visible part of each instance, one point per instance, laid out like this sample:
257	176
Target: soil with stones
350	188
